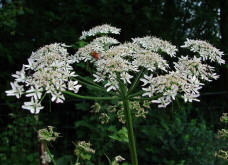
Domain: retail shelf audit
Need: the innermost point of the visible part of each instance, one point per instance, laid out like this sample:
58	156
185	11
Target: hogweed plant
139	70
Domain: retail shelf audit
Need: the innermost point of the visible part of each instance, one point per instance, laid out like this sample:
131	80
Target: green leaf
64	160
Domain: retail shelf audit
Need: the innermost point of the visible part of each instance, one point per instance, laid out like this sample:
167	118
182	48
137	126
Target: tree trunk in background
224	34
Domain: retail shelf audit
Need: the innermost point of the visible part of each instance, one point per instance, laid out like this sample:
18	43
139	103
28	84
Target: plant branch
49	154
136	94
90	97
131	138
88	81
92	86
136	81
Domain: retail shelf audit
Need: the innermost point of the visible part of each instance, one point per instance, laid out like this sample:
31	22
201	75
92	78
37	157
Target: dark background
183	135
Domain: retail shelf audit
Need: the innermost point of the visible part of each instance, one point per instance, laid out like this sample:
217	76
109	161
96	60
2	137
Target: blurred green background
185	135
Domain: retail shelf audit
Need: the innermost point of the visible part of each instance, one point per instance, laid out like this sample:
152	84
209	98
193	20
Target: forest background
178	135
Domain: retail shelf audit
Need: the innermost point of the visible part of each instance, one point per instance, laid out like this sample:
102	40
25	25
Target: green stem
49	154
145	98
136	81
77	159
92	86
43	97
109	161
129	123
178	103
87	80
131	138
136	94
90	97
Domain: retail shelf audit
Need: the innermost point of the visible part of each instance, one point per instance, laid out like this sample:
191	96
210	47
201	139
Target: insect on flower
95	55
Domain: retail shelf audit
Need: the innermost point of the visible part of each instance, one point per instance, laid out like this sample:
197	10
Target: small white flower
126	77
33	106
162	101
99	77
17	90
119	159
147	79
20	75
74	86
34	92
111	85
149	91
57	97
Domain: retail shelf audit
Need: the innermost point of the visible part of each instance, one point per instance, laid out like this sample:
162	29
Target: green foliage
162	138
19	143
120	135
177	140
64	160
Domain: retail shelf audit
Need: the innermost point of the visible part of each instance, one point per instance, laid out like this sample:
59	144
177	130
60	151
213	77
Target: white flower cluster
195	67
97	46
168	86
151	61
123	59
49	71
103	29
205	50
185	81
156	45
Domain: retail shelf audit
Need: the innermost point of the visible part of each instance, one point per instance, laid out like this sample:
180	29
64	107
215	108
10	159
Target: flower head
48	71
102	29
205	50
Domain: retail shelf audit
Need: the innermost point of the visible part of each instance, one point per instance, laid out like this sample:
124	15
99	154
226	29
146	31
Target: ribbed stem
128	117
131	138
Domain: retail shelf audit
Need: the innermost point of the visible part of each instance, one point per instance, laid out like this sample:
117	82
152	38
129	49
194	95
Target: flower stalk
129	123
131	138
90	97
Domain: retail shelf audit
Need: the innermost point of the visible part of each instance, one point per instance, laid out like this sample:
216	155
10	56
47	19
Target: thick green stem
129	122
131	138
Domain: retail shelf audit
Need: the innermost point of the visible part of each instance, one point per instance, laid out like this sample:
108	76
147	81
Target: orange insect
95	55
